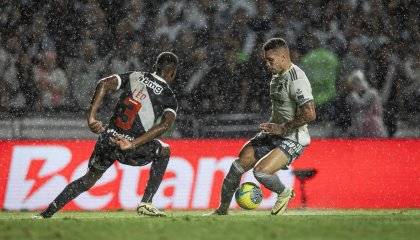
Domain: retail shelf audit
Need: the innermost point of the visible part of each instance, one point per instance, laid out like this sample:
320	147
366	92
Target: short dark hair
166	60
275	43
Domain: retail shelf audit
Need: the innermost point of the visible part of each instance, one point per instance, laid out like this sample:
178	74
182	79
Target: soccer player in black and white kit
131	136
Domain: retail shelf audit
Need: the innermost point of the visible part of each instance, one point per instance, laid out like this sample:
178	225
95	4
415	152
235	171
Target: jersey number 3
130	108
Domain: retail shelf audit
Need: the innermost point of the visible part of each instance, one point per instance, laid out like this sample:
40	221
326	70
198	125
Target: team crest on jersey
157	88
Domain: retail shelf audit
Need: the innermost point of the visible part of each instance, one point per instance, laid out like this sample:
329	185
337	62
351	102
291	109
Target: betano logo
33	172
39	173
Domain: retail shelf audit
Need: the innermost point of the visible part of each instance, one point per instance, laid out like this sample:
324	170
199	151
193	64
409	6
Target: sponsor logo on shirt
157	88
114	133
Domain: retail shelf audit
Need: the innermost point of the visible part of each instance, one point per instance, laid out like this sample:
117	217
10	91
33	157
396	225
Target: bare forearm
148	136
297	122
306	114
105	86
97	99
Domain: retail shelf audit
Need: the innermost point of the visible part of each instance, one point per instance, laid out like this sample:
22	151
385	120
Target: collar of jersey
158	78
281	75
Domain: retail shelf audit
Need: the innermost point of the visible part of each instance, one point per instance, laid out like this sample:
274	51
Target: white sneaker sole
143	210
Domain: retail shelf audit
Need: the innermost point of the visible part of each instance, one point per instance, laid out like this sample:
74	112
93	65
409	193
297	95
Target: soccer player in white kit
283	138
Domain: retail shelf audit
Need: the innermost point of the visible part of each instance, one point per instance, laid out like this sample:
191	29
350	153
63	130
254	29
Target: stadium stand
53	52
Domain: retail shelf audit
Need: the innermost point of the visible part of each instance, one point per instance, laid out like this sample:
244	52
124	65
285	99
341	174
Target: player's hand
122	143
273	128
96	126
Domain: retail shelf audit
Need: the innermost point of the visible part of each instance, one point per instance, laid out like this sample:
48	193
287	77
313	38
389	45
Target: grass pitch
241	225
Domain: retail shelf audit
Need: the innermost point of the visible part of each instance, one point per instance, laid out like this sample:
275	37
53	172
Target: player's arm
305	114
167	120
104	87
301	93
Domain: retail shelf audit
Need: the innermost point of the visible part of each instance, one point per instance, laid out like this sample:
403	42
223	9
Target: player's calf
270	181
71	191
157	170
230	184
273	183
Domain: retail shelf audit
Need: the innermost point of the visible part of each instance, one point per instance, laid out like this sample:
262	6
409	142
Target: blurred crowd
361	56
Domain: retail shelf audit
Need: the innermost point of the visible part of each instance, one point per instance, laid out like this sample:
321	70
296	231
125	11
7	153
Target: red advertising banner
350	174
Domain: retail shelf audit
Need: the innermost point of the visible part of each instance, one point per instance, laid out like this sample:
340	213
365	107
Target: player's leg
158	153
101	159
265	170
71	191
157	170
279	158
245	162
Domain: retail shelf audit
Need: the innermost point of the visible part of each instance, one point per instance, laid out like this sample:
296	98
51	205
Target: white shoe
37	217
149	210
282	202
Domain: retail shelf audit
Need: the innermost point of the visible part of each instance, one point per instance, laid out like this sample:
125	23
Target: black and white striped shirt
144	99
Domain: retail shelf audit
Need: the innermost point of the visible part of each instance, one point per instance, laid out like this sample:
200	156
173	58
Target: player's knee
247	152
243	164
247	158
259	175
165	151
247	161
260	169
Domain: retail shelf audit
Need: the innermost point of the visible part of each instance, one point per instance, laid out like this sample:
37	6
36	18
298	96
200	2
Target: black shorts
106	153
264	143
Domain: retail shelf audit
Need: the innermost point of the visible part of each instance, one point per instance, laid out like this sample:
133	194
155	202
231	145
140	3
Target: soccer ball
248	196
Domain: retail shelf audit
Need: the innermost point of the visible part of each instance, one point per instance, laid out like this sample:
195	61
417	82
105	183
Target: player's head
166	65
276	55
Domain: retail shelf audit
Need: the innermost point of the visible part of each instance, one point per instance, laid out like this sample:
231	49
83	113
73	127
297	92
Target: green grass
241	225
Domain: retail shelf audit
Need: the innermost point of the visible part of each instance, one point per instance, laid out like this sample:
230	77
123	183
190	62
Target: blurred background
362	58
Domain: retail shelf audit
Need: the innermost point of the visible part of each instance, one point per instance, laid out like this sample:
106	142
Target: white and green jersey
288	91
